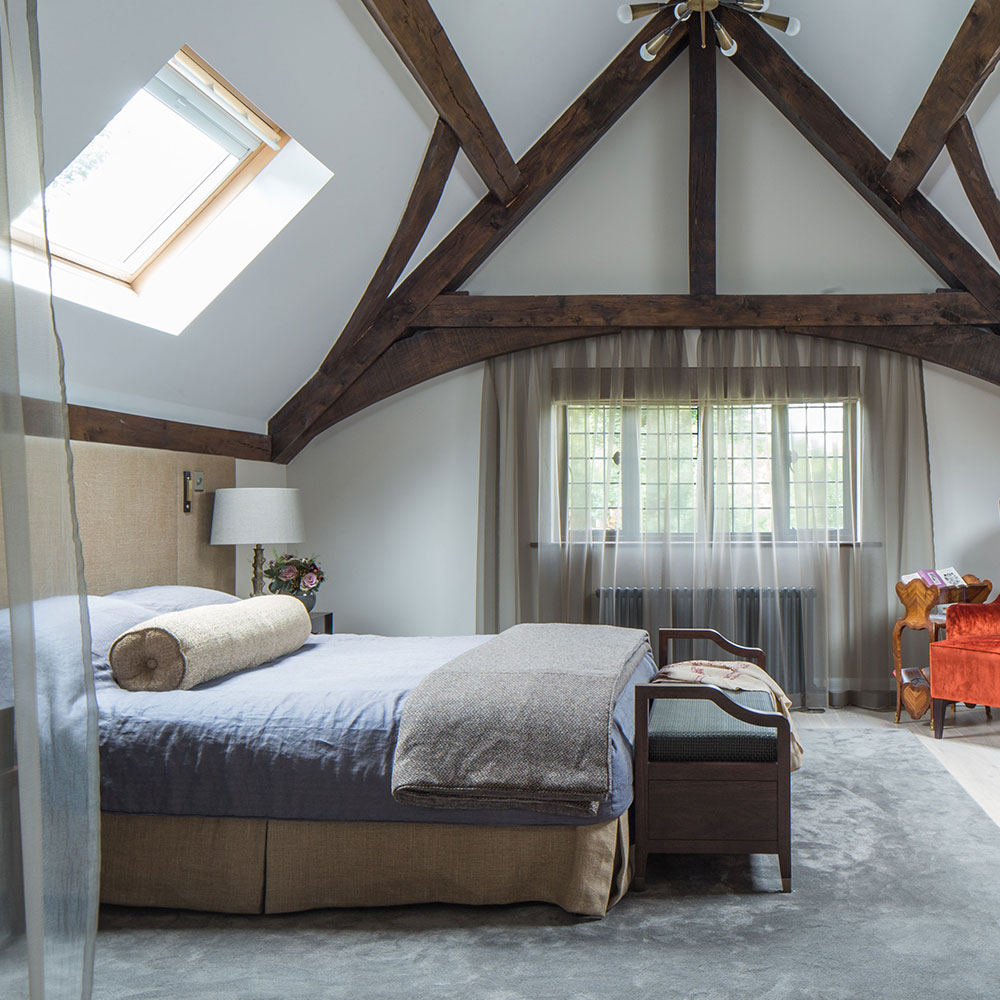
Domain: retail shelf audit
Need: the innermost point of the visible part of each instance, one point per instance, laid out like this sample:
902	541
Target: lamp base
257	580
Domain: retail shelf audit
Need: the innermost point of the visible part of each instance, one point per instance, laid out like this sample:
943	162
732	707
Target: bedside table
322	622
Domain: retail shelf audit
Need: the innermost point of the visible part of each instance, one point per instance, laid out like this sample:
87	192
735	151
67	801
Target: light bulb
653	46
726	41
628	12
789	25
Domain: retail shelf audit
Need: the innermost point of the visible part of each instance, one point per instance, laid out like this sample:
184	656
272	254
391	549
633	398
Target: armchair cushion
973	619
966	669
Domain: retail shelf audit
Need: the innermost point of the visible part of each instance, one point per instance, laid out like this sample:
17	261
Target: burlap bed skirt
279	866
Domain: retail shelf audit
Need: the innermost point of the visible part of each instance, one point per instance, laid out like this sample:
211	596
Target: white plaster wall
963	414
392	492
266	474
391	507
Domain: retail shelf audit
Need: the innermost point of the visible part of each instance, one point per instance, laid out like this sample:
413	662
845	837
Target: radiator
779	620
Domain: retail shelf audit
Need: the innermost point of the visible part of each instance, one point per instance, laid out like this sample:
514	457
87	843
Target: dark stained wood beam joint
86	423
416	34
702	151
860	162
595	311
965	155
472	241
965	68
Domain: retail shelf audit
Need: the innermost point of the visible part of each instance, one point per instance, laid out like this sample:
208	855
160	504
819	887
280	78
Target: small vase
309	600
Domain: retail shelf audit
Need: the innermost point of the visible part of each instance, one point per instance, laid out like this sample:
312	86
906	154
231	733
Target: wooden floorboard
970	748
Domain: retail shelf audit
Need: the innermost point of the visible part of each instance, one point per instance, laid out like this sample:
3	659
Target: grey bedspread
524	721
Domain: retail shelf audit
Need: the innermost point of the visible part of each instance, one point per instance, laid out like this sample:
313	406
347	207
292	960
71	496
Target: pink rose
288	573
309	581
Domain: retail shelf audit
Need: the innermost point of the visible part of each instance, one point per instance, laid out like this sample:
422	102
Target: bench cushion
698	730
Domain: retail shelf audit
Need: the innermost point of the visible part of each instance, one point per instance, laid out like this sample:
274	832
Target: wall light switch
199	482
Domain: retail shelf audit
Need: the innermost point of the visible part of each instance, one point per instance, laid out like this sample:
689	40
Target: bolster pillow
183	648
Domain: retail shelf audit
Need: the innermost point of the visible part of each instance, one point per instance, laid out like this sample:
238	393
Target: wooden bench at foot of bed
235	865
710	781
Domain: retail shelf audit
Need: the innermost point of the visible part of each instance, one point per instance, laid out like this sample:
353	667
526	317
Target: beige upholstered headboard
133	529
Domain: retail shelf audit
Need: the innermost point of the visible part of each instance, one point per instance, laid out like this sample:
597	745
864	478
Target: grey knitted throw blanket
522	722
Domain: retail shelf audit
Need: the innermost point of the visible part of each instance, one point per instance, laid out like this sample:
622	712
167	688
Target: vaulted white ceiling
325	73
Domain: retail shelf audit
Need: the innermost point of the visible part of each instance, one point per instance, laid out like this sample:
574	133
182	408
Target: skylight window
183	143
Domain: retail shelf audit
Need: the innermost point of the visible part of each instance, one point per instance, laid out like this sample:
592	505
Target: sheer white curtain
49	788
771	487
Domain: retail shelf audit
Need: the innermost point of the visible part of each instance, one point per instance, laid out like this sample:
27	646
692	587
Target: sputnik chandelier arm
705	9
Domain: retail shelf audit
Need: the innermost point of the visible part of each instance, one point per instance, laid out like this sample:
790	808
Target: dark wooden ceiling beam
965	68
461	252
431	179
860	162
416	34
88	423
913	309
965	155
430	353
702	152
966	349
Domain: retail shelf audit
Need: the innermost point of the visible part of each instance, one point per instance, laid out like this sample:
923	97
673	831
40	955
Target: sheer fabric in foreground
48	726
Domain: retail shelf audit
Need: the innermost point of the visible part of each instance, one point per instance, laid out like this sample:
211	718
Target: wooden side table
322	622
919	600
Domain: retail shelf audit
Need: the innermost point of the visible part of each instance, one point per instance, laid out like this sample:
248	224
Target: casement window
181	147
776	471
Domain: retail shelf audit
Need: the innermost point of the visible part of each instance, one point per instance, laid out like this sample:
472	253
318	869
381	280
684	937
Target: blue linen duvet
307	737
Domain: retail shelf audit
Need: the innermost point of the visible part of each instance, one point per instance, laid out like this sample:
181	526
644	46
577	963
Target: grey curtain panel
769	486
49	787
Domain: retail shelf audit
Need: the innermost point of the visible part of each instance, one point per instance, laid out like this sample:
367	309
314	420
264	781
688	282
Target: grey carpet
894	870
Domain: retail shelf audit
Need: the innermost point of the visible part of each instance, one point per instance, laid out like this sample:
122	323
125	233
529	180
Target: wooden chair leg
939	706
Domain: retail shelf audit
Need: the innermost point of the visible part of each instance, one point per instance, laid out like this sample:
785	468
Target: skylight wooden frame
198	219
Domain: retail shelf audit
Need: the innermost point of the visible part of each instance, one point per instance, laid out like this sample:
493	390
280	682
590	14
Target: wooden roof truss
396	339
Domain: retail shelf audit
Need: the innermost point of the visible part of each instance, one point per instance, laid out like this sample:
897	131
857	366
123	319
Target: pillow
184	648
171	597
109	617
57	626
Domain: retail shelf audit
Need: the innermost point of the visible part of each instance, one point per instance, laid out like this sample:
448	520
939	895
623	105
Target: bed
269	790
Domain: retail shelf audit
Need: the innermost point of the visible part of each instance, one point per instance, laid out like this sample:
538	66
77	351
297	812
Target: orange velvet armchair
966	665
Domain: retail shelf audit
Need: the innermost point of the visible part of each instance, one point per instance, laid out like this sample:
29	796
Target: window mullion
781	464
631	479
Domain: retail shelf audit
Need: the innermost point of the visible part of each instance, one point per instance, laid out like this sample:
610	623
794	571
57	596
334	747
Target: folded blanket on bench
522	722
735	675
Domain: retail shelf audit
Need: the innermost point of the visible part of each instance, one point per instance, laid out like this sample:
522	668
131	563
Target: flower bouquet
295	575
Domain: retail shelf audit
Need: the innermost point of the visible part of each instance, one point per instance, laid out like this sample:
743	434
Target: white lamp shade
257	516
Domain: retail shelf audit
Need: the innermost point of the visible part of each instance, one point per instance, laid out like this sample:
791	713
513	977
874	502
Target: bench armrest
645	693
751	653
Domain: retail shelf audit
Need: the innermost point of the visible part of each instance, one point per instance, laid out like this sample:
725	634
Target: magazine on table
948	577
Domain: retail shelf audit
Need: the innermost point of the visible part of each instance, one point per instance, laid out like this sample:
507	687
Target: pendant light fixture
705	9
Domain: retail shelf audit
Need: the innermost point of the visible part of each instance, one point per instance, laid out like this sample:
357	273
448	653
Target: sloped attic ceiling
327	75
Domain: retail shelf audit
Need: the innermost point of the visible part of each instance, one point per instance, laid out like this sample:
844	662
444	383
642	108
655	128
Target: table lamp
257	516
